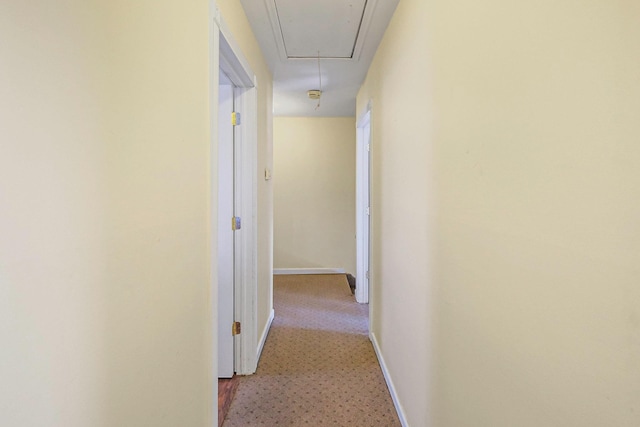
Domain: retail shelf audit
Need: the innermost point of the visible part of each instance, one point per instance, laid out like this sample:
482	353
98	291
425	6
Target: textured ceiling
346	33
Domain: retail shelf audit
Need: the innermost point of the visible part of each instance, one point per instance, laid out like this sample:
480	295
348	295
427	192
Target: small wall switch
267	174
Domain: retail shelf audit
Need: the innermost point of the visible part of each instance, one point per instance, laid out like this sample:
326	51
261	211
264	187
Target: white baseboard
387	378
282	271
265	333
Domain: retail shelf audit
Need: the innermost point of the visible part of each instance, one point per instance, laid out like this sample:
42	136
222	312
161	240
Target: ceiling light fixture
314	94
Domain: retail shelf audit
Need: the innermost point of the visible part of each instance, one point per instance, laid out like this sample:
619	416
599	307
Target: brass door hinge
235	119
236	328
236	223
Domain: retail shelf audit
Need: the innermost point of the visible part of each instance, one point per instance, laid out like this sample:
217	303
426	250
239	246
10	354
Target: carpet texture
318	367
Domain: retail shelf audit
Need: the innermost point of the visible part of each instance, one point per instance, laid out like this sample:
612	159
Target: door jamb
363	203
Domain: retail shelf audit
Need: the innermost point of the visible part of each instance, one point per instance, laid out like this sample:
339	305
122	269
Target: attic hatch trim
358	45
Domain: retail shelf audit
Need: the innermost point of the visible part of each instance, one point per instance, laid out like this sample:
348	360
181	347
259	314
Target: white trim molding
231	58
369	20
285	271
389	381
363	205
265	334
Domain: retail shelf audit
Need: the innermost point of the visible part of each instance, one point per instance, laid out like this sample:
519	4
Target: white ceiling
293	33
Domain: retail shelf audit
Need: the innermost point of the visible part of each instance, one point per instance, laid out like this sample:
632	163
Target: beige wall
314	192
105	316
505	212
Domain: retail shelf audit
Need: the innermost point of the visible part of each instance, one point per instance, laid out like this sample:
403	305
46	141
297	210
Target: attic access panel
330	27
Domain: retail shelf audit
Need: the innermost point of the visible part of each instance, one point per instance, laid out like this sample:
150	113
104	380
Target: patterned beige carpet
318	367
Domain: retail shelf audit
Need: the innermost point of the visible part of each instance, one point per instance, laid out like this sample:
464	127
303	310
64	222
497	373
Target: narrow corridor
318	367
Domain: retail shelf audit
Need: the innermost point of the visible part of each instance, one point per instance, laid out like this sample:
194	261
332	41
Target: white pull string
320	80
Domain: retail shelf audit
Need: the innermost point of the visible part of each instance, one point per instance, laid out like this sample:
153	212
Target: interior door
226	249
367	205
363	207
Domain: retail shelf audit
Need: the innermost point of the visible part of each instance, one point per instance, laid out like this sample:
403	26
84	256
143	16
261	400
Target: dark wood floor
226	390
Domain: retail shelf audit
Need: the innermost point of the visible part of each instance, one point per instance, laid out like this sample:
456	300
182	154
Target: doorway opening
233	164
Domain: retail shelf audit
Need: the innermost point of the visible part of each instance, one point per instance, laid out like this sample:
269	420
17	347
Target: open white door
363	206
226	265
234	194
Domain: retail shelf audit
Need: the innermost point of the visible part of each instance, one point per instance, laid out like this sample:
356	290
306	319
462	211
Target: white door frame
363	205
225	54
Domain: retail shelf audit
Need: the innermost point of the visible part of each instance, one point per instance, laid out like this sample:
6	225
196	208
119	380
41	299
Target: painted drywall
314	192
505	212
233	14
104	258
105	294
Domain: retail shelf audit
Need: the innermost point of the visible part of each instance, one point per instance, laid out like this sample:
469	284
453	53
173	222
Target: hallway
318	366
503	208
